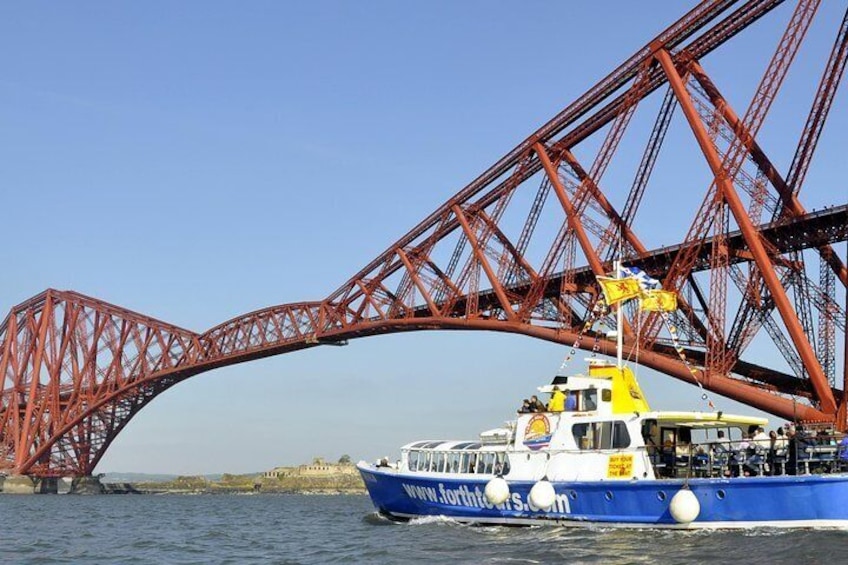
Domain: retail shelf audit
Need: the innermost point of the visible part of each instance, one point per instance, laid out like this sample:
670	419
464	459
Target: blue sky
196	160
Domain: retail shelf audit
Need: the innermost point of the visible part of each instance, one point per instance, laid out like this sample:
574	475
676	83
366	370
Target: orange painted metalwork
76	370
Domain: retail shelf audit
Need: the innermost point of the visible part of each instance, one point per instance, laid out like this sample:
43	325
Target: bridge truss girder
75	370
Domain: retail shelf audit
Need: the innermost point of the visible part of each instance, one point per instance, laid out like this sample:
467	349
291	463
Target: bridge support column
47	485
86	484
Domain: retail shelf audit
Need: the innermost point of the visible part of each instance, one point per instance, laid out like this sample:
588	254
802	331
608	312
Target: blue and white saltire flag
646	282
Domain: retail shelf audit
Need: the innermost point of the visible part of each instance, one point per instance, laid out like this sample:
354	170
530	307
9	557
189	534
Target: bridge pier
24	484
17	484
47	485
87	484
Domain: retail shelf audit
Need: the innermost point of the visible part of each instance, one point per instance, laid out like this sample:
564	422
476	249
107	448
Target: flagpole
619	321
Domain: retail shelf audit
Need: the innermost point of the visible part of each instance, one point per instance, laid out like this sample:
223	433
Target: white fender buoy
542	495
497	491
684	506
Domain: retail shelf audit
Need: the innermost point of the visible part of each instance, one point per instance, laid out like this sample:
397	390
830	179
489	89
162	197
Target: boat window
439	466
488	463
501	464
472	463
453	462
620	436
428	461
584	435
418	444
606	395
464	463
412	460
432	444
590	400
605	434
601	435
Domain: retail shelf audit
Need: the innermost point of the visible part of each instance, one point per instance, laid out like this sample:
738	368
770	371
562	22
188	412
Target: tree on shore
344	459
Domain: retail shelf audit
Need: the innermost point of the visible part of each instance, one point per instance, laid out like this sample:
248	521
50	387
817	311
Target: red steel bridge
754	263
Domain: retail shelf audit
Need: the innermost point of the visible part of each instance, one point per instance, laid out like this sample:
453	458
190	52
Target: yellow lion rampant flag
618	290
658	301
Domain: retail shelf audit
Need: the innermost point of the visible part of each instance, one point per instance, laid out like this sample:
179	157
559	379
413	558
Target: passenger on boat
721	445
742	445
843	452
536	404
683	447
740	455
756	452
781	454
720	453
804	439
792	451
760	440
571	402
700	461
650	435
780	443
557	402
759	452
771	457
668	455
801	443
525	407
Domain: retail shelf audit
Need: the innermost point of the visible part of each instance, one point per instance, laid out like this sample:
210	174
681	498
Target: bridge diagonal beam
791	204
752	239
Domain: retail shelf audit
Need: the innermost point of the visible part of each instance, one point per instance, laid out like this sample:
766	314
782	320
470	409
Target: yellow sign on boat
620	466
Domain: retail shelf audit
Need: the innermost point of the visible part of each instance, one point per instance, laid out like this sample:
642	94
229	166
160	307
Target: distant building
277	472
318	468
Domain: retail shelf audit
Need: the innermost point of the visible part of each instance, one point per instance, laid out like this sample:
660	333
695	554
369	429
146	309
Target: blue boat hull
793	501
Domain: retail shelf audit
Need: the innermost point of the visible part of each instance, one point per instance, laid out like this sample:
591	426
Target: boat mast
619	313
619	320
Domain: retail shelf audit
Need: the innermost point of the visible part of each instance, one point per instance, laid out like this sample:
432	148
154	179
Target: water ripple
189	530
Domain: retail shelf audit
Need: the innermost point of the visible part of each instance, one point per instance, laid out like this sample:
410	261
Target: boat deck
814	455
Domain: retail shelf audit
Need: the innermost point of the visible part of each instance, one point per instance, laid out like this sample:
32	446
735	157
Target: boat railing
799	455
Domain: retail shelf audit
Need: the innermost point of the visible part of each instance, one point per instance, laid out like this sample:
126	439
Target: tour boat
610	460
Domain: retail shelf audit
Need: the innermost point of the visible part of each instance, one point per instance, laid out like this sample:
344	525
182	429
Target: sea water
266	528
